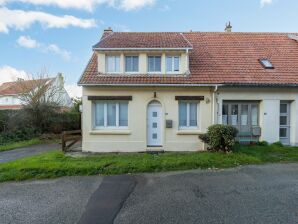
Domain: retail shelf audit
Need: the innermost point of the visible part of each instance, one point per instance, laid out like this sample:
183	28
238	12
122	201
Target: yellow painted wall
134	139
143	60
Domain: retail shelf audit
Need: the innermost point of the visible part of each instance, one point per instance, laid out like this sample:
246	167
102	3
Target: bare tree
39	89
41	99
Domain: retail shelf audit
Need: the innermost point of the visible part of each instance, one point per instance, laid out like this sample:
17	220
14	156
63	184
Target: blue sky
58	34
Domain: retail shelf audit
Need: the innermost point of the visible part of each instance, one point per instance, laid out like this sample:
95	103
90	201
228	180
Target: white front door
154	116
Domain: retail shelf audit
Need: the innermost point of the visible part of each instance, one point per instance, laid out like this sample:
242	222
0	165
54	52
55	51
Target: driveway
14	154
249	194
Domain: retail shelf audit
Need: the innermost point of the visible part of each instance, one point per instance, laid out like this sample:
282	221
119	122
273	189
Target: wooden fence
69	138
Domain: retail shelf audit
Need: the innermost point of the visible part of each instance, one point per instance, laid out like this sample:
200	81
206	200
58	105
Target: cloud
28	42
21	20
9	74
128	5
88	5
266	2
74	90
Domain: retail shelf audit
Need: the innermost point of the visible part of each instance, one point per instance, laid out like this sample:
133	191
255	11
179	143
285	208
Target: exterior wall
9	100
269	108
134	139
143	61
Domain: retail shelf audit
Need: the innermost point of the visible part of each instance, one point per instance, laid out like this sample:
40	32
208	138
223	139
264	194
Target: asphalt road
250	194
14	154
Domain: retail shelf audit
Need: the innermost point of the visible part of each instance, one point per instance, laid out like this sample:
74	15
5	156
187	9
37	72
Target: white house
10	92
159	90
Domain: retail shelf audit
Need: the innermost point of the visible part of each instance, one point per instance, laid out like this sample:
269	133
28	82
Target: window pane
225	114
131	63
283	108
128	64
150	63
283	120
182	114
117	64
99	114
283	132
169	64
234	116
192	114
111	114
244	115
110	64
123	114
254	115
158	64
135	66
176	64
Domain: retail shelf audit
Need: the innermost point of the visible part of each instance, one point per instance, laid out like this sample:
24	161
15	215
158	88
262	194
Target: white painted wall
269	99
9	100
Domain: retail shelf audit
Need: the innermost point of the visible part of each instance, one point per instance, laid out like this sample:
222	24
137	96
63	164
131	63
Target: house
160	90
10	92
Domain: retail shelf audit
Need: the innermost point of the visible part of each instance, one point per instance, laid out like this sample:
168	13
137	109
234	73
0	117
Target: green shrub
220	137
263	143
278	144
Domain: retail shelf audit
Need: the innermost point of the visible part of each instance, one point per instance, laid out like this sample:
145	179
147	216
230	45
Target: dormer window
131	63
173	64
113	64
154	64
266	63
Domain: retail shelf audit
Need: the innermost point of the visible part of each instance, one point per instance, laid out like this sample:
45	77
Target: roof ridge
186	40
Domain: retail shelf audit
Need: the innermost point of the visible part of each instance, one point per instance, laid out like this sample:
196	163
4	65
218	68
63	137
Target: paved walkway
14	154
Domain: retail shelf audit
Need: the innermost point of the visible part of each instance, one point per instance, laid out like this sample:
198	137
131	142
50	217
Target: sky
57	35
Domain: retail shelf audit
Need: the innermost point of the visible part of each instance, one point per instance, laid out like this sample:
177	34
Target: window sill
189	132
110	132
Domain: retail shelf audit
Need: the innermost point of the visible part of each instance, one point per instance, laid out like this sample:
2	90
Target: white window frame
105	103
107	65
125	63
173	64
154	72
188	115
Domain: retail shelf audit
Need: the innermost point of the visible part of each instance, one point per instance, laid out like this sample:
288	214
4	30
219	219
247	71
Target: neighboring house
159	90
10	92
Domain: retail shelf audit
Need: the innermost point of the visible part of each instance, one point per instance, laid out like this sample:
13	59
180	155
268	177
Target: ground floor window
240	114
110	114
188	114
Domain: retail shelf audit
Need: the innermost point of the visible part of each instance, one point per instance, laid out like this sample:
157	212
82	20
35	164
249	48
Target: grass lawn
20	144
56	164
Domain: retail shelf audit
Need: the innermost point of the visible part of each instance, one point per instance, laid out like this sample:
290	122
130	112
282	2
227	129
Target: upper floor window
266	63
173	64
131	63
188	114
154	63
113	64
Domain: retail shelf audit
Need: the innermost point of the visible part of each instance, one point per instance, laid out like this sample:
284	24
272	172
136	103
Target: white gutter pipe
213	103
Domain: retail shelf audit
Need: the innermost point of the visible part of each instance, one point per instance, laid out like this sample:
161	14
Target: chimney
107	32
228	27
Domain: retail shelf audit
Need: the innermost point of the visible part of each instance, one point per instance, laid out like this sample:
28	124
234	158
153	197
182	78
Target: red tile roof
10	107
143	40
220	58
15	88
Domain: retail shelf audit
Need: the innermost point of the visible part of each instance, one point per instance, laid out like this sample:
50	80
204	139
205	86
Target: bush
220	137
18	135
263	143
279	144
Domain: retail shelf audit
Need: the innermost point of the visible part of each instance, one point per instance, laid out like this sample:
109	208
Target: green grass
20	144
56	164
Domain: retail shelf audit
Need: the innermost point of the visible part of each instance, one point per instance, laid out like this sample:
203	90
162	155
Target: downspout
213	103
